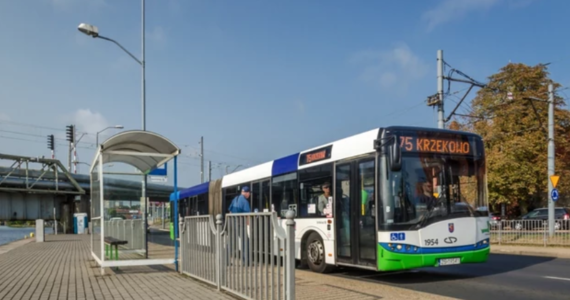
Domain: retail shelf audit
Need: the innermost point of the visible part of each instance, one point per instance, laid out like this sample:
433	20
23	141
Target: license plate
449	261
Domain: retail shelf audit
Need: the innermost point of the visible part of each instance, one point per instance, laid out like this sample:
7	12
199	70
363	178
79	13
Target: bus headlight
399	247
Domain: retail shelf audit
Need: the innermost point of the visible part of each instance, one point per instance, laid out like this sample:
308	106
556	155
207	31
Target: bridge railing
530	233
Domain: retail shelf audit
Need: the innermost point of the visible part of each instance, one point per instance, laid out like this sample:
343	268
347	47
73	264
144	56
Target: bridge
33	186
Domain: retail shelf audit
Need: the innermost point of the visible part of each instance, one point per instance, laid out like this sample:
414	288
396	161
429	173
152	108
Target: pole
143	92
290	256
143	62
209	170
54	219
202	159
440	123
74	151
175	217
69	157
551	158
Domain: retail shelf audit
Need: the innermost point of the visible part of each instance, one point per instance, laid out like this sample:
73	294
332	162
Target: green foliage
515	134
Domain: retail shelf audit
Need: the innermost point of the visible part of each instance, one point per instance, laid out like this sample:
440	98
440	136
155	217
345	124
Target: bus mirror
395	154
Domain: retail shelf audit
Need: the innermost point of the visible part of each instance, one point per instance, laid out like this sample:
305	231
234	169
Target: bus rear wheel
316	254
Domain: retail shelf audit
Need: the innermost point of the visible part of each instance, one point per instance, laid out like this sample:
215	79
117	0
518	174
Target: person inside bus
324	197
425	193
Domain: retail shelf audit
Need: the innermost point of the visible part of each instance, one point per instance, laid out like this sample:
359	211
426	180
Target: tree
515	135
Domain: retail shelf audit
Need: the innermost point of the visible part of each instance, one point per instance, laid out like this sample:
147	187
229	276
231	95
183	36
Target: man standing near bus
240	205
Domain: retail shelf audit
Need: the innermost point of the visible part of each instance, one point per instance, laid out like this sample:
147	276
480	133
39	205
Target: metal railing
250	255
128	230
530	233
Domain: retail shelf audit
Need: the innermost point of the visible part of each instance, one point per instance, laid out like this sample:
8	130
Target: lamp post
94	32
97	136
551	154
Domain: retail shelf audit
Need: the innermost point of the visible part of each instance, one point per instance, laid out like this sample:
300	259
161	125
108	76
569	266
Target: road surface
502	277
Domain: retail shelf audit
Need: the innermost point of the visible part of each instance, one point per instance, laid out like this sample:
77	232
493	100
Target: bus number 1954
430	242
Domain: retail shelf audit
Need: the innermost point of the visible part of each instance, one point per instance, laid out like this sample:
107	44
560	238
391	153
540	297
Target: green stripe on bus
391	261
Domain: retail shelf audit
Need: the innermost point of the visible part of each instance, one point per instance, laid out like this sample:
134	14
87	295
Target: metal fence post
500	230
181	227
545	234
290	252
218	250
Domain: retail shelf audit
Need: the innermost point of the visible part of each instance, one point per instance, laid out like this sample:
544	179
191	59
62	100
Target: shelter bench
109	243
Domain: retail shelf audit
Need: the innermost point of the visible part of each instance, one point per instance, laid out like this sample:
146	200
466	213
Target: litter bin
79	223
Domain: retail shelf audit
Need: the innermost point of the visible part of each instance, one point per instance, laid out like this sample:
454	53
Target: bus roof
354	145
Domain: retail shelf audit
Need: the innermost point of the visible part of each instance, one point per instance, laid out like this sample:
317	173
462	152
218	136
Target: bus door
354	217
260	203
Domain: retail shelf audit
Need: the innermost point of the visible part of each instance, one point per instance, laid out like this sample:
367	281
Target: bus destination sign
315	156
436	145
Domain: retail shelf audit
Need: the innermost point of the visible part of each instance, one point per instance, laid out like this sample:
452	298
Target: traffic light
51	144
70	131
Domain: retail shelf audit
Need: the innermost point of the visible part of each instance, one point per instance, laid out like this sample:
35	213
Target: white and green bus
387	199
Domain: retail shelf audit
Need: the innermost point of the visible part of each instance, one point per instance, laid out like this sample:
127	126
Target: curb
531	253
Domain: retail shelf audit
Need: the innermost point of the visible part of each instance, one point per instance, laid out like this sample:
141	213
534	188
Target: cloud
392	69
449	10
157	35
90	122
4	117
300	106
71	4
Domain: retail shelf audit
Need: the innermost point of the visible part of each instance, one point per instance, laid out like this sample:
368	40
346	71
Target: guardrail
530	232
251	256
129	230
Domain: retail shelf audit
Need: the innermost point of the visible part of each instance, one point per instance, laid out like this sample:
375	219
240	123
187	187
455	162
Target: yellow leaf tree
515	133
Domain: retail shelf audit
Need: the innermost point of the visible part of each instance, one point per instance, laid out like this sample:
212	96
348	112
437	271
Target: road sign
159	171
554	180
554	194
158	178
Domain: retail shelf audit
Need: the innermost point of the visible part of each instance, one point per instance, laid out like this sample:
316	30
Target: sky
259	80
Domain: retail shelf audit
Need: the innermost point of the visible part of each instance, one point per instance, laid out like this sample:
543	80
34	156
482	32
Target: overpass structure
36	188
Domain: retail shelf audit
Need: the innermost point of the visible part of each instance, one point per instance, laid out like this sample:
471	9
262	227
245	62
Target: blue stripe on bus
285	165
479	246
195	190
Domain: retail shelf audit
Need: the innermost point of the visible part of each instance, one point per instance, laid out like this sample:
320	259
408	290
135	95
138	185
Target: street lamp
93	31
97	139
551	153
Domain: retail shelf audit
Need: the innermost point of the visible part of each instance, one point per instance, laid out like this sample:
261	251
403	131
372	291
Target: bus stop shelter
117	242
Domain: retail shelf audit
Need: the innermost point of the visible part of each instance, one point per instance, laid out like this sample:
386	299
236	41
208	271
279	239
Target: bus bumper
393	261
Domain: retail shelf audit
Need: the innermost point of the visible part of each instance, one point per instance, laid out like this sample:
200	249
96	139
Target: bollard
40	231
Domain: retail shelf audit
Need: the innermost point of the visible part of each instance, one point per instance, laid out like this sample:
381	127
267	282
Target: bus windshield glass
439	179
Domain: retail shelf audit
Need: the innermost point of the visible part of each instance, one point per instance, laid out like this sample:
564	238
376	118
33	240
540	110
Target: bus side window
285	193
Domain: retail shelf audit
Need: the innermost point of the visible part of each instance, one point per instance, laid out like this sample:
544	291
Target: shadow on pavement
497	264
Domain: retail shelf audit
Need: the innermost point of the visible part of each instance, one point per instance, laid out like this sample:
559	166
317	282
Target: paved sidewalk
558	252
313	286
62	268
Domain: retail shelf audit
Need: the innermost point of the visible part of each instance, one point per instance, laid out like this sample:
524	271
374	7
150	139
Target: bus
387	199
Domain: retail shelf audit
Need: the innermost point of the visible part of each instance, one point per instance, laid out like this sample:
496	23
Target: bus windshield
432	187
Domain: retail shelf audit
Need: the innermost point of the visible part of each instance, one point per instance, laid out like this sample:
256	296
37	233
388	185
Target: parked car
538	218
494	219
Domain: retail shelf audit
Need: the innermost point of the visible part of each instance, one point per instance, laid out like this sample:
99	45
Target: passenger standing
240	205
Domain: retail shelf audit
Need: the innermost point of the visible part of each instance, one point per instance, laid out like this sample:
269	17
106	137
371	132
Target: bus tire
316	255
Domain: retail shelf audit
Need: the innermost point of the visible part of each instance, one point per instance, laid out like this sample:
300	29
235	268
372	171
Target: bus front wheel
316	254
